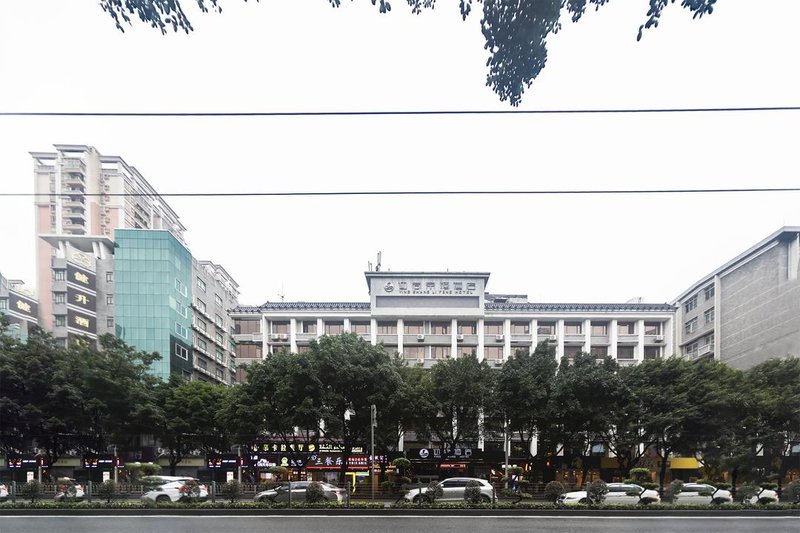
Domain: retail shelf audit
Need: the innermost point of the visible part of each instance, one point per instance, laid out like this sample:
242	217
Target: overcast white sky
302	55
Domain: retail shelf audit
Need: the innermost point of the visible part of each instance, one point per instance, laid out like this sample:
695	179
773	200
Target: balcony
439	339
628	338
654	339
73	179
248	337
75	200
521	338
387	339
626	362
305	338
73	164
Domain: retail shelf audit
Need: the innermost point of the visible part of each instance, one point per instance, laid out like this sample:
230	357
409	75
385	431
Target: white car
764	497
64	492
168	489
281	493
702	494
452	490
618	494
3	492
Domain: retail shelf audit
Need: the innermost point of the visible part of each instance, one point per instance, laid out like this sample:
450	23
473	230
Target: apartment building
430	316
748	310
18	307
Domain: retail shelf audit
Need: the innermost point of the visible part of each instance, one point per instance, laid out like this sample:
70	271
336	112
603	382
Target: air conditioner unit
420	337
274	337
284	337
460	338
551	338
499	362
499	338
659	338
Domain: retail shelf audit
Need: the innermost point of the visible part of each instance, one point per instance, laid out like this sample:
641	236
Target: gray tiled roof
303	306
560	307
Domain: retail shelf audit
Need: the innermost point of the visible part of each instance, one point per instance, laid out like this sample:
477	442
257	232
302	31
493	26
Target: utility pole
239	464
115	464
505	448
373	424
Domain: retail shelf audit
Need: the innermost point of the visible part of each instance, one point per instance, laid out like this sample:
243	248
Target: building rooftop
490	306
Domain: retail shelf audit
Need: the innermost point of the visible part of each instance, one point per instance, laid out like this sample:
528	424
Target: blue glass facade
153	278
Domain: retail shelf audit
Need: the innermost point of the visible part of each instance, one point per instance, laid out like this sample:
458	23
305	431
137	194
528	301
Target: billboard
82	300
22	306
81	278
82	322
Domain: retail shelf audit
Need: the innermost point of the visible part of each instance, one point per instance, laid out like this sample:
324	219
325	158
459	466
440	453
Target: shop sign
229	461
263	461
21	306
80	321
81	300
107	461
333	461
82	278
303	447
25	461
435	454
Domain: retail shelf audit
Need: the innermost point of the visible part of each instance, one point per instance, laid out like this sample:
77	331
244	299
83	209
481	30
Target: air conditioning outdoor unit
420	337
284	337
498	338
274	337
460	338
499	362
551	338
659	338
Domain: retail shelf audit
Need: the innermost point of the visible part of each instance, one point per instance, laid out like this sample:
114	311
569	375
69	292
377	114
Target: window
201	363
109	277
493	328
201	325
440	352
599	329
467	328
247	326
626	328
440	328
59	297
414	352
652	328
218	321
248	351
109	299
709	339
691	349
181	352
201	344
218	300
280	328
61	320
690	304
180	287
109	322
219	338
522	350
220	375
466	351
573	328
652	352
493	353
201	305
362	328
546	328
59	275
599	352
303	349
520	328
691	326
181	330
201	284
309	326
387	328
3	304
334	328
570	351
624	352
708	292
709	316
220	356
412	328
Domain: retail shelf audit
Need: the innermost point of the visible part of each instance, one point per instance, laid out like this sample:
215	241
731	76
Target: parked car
618	494
764	497
702	494
3	492
68	490
452	490
280	493
171	489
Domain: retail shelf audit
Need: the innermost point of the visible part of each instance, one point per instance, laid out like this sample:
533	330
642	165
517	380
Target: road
357	524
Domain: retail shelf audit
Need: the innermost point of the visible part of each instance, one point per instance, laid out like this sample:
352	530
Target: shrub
137	471
553	490
640	475
315	493
723	486
434	491
401	463
672	490
387	487
189	490
278	471
792	492
649	485
745	492
472	494
769	486
107	490
231	491
597	491
32	490
402	480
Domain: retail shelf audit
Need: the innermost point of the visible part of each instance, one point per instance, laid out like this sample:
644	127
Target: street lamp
373	424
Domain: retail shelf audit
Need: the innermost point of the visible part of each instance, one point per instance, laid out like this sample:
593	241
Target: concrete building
430	316
748	310
18	307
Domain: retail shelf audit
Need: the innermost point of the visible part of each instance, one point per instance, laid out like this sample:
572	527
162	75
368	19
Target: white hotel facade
430	316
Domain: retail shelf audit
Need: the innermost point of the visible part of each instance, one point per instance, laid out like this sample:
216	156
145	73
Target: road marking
426	517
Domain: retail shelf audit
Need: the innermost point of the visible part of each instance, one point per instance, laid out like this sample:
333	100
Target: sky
303	55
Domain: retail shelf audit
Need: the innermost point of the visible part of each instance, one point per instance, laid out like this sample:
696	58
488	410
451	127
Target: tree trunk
662	471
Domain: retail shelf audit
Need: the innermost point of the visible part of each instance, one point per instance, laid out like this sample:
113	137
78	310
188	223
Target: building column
373	332
320	327
612	339
534	334
718	316
480	339
559	339
453	338
668	332
264	337
293	335
587	335
400	336
506	339
346	325
639	355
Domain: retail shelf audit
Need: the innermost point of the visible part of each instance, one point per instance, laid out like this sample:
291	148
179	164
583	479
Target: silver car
280	494
702	494
452	490
618	494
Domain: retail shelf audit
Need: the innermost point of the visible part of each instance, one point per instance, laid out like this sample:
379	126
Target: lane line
449	517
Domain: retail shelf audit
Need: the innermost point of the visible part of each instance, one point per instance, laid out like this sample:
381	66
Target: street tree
516	33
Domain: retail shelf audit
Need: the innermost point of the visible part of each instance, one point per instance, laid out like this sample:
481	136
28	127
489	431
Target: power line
421	193
748	109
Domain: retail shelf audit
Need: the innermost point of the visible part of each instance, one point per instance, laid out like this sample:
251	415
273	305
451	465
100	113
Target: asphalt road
357	524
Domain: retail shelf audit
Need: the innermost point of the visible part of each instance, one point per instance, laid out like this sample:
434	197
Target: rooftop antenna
378	264
369	266
282	294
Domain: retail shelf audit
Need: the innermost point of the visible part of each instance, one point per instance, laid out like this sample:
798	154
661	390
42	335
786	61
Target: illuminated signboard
81	321
82	300
105	461
22	306
333	461
302	447
81	278
30	462
266	460
436	454
228	461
